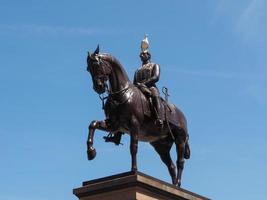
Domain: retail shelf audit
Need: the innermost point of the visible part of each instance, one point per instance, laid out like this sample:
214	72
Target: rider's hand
141	85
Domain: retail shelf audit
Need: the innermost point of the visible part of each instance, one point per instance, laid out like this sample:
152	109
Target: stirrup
112	138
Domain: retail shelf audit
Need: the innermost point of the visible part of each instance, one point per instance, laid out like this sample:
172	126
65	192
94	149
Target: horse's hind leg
163	148
180	149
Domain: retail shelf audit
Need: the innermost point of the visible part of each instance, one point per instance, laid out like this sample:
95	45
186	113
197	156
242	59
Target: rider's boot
159	121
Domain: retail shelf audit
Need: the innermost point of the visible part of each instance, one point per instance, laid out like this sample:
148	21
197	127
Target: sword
165	92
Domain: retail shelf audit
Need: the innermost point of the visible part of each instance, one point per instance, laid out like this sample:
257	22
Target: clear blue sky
213	60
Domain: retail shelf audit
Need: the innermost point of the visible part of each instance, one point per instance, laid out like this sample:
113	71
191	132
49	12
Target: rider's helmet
145	55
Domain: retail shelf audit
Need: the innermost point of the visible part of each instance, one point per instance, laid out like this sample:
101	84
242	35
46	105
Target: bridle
107	93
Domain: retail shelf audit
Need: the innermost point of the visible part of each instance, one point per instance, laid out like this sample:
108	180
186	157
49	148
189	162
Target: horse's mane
109	57
114	62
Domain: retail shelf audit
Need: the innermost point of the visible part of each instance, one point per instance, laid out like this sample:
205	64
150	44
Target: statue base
132	186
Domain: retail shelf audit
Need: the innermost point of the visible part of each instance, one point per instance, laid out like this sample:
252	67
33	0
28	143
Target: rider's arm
155	75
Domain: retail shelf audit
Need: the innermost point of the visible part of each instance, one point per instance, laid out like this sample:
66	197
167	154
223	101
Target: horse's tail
183	124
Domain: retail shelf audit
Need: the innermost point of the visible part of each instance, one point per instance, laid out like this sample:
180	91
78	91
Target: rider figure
146	77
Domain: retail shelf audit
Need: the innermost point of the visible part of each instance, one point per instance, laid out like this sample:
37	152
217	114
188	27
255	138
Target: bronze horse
124	109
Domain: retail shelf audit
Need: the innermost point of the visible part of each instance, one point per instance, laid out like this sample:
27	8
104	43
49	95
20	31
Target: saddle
166	111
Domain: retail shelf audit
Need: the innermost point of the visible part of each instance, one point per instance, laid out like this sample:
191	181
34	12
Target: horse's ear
97	50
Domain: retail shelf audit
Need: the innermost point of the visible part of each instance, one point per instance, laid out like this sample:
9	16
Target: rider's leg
156	103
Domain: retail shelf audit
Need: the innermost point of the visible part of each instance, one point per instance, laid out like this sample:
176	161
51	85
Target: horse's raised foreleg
101	125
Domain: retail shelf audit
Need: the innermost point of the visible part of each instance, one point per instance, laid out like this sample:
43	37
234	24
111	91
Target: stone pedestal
132	186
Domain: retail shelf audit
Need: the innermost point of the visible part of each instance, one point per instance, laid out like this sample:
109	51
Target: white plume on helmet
145	44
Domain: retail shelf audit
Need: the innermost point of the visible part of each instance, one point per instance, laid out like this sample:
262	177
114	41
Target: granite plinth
132	186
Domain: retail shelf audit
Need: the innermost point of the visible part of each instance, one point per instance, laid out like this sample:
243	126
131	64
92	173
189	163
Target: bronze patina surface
128	110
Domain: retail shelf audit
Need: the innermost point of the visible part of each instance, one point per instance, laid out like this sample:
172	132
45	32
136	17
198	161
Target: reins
122	90
110	94
165	92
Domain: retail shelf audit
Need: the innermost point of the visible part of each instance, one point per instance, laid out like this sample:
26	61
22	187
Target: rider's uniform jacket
148	74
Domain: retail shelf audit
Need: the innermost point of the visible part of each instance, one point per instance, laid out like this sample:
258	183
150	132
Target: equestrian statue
137	109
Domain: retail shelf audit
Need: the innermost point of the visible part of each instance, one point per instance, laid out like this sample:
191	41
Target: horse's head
100	69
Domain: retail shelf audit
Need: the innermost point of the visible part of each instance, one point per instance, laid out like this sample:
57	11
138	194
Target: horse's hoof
174	182
134	169
178	183
91	153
